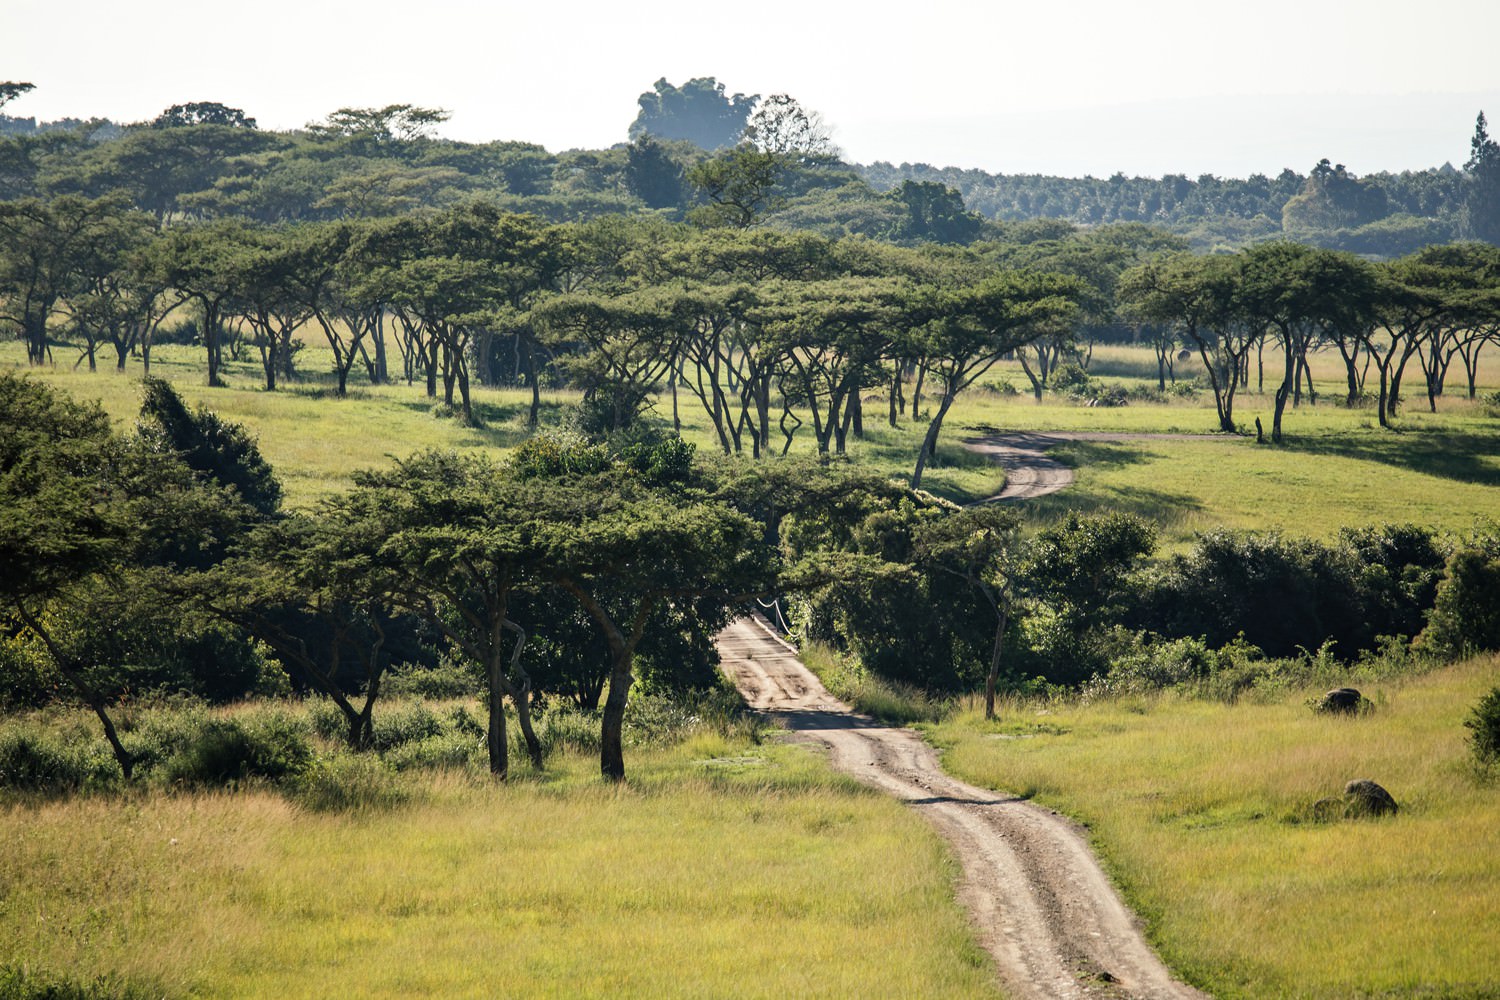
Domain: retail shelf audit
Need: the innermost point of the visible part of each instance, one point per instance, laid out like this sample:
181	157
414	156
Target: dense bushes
1284	595
1238	611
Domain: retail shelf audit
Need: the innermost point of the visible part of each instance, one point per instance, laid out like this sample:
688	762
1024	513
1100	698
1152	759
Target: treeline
769	332
1382	214
204	161
957	600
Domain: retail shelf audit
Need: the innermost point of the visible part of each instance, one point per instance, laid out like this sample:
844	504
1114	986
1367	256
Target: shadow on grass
502	425
1159	506
1462	456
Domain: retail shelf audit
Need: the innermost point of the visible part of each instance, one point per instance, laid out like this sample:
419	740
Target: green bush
1484	729
447	679
559	453
1466	612
33	759
566	728
445	750
327	721
348	783
411	724
28	679
1071	379
224	751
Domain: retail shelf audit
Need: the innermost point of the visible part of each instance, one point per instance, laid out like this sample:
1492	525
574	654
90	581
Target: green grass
1337	468
1201	811
723	868
867	693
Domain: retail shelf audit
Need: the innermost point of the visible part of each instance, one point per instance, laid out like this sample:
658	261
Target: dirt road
1030	473
1040	902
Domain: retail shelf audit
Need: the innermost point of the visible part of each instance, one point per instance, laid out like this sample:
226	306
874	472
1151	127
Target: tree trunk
612	725
1289	377
496	740
929	442
994	674
86	691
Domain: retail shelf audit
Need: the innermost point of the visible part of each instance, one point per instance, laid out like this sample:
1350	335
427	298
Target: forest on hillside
692	147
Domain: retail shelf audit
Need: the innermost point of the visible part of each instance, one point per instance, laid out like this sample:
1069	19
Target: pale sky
1069	87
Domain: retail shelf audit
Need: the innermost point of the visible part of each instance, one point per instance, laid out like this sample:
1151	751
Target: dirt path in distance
1041	905
1029	473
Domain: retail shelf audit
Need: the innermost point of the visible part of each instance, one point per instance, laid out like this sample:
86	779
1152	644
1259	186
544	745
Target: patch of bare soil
1041	904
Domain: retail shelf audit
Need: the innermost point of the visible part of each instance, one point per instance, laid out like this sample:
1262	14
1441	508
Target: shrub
225	751
445	750
28	679
36	760
1070	378
1466	612
1484	729
348	783
328	721
567	729
447	679
548	456
412	724
660	462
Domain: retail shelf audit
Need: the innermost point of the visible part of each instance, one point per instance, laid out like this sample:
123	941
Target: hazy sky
1068	87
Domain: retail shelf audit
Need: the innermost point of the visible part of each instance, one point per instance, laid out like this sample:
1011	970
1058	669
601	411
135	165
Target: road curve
1041	905
1029	473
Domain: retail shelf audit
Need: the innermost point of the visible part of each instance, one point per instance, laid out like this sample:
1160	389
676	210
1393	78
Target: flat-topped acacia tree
623	547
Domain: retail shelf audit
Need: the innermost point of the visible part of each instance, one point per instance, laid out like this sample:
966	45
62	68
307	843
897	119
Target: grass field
1203	814
722	868
1338	467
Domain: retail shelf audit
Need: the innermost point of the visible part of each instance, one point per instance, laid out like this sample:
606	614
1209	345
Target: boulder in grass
1342	701
1365	798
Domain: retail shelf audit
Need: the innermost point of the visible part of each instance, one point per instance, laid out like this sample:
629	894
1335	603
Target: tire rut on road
1039	900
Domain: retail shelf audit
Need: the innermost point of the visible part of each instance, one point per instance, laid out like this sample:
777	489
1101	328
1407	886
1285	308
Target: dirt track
1040	902
1030	473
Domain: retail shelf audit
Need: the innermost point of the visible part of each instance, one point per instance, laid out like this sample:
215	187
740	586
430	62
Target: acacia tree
1290	289
119	296
452	540
973	327
830	337
1408	302
84	511
982	546
624	549
630	343
299	586
1197	296
201	262
43	246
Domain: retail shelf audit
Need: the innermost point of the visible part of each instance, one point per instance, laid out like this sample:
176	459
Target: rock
1341	701
1365	798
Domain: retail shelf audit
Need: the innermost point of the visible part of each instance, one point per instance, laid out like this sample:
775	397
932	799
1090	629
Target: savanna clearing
728	867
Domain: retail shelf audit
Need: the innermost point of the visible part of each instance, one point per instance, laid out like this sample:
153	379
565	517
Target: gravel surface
1040	903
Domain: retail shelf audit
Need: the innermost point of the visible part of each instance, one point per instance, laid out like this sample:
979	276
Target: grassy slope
719	870
1200	809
